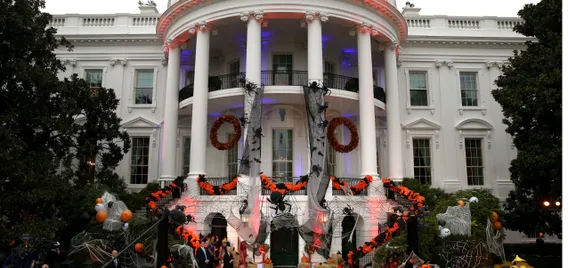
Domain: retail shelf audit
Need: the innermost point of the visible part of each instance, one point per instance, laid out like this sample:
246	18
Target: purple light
266	34
186	52
349	50
268	101
215	114
348	115
324	38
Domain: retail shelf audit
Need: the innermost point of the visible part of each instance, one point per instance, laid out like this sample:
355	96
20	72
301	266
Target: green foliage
397	245
137	200
49	130
530	93
431	195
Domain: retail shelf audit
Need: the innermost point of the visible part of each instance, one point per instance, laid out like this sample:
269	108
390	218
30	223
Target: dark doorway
348	226
284	246
219	225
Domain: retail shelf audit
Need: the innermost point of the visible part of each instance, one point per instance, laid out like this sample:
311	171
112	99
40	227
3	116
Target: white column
394	132
367	129
171	107
199	131
315	48
254	42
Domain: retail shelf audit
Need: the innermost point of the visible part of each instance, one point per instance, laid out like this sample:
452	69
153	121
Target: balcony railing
219	182
285	180
282	78
351	182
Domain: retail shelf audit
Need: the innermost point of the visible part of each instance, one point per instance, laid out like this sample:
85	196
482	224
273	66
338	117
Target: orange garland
387	235
362	185
189	237
216	190
269	185
158	195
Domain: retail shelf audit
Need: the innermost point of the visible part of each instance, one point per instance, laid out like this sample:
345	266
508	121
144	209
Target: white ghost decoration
445	232
473	199
99	207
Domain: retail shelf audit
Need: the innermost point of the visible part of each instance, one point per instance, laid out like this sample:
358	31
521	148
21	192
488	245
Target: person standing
227	257
203	259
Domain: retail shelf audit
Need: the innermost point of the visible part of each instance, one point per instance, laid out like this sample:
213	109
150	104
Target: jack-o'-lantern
139	247
101	216
126	215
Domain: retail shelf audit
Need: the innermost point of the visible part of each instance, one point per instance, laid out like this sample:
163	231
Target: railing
351	182
418	23
219	182
285	180
281	78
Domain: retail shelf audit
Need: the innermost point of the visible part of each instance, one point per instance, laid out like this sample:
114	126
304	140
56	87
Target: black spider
280	205
323	107
257	160
323	204
248	86
313	86
245	162
323	124
189	219
326	91
243	120
317	169
313	149
348	210
258	133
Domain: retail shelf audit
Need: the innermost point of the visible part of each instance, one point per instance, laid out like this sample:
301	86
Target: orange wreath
338	147
223	146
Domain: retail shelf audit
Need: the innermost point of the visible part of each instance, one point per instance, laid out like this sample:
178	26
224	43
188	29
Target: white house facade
417	87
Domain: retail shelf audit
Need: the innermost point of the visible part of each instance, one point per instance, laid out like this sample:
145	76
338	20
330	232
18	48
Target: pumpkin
329	261
461	203
304	259
99	200
497	225
163	266
126	215
101	216
268	261
494	216
139	247
426	266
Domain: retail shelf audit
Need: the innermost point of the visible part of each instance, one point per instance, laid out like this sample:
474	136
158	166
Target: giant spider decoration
317	169
277	199
326	91
244	120
258	133
245	162
248	86
323	107
323	124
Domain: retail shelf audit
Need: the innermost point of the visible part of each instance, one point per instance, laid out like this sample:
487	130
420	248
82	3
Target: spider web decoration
414	259
318	179
495	240
464	254
458	220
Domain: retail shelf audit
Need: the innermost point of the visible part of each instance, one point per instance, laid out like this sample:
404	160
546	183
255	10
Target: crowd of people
219	253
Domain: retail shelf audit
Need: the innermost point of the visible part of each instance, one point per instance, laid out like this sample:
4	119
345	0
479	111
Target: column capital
316	15
252	15
364	28
202	27
498	64
114	62
72	62
440	63
164	61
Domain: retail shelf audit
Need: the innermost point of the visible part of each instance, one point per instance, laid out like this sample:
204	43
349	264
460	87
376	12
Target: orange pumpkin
426	266
304	259
268	261
102	216
163	266
126	215
99	200
497	225
461	203
494	216
139	247
13	242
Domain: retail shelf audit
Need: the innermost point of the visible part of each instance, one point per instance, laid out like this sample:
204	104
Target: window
144	86
422	160
329	67
474	161
378	145
468	87
282	67
235	72
186	155
95	79
139	160
282	153
418	88
331	161
232	159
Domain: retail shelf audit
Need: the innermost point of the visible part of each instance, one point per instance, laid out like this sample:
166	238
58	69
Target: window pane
417	80
422	160
232	159
282	153
418	97
186	155
139	160
94	78
144	86
474	161
418	89
468	88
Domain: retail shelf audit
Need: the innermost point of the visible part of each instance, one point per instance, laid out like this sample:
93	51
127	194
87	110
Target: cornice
455	40
123	38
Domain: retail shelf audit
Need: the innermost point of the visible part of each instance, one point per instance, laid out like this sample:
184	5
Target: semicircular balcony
283	64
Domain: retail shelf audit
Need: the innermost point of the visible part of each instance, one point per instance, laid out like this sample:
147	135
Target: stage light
546	203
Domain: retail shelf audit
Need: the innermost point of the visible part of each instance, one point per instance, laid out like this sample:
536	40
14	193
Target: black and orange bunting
362	185
283	188
151	201
387	235
216	190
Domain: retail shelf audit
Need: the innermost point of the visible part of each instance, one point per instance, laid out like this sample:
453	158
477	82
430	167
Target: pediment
474	124
139	122
422	123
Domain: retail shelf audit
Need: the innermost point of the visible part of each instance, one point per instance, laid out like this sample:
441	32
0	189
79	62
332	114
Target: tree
530	93
48	127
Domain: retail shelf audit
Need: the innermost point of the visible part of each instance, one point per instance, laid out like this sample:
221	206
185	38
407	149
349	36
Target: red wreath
236	132
338	147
